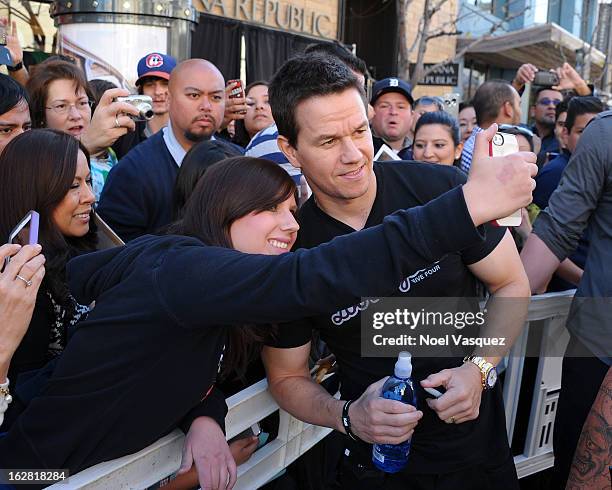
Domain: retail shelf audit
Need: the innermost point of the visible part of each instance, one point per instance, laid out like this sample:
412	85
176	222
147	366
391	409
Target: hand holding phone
505	144
16	236
546	78
32	218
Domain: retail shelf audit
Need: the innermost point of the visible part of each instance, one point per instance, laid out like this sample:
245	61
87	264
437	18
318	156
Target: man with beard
137	197
544	114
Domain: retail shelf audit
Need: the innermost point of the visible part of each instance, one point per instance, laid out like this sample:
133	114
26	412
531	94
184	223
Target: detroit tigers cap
391	85
155	65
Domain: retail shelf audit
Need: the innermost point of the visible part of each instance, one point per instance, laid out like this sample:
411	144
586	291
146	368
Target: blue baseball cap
155	65
391	85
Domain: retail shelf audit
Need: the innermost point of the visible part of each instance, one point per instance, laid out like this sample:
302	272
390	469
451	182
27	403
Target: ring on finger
450	420
21	278
117	125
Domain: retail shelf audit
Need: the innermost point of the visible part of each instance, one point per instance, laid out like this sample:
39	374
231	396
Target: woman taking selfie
258	115
49	173
147	357
436	139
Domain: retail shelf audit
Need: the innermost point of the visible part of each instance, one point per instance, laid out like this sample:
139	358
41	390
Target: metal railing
546	319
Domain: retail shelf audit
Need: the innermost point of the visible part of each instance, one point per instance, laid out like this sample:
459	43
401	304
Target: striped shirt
468	150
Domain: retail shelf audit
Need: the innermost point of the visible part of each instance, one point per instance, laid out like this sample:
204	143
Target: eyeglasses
62	109
547	101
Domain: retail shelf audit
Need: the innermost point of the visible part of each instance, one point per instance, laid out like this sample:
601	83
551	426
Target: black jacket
149	351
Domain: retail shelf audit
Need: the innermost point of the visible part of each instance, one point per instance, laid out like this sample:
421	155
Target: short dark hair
582	105
197	160
465	105
562	106
301	78
443	118
98	87
540	90
42	75
340	52
11	94
490	98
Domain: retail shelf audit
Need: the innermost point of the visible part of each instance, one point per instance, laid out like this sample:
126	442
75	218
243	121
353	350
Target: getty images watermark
439	327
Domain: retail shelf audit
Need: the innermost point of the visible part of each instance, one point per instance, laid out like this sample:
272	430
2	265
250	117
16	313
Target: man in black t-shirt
459	440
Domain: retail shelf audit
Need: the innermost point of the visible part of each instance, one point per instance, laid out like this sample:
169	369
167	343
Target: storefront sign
319	18
447	74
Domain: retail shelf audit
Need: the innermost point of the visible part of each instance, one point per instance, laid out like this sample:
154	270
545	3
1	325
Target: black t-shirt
436	446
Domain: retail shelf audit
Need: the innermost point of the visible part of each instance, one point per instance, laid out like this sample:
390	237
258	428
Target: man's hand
498	186
109	122
525	74
461	402
378	420
205	446
12	41
570	80
235	108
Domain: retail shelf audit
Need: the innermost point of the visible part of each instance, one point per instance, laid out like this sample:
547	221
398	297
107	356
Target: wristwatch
17	67
487	371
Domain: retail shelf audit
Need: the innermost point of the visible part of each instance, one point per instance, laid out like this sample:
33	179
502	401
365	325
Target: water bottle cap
403	366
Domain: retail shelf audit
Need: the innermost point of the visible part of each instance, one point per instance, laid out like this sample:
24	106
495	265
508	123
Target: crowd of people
253	226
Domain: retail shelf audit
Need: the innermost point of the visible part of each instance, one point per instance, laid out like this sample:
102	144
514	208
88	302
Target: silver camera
143	103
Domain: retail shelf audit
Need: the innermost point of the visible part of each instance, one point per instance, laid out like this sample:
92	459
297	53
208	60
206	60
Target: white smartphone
505	144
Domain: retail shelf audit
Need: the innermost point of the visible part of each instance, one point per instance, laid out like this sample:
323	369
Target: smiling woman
49	173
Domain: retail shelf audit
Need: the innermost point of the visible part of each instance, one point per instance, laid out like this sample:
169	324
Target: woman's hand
110	121
206	447
19	285
243	449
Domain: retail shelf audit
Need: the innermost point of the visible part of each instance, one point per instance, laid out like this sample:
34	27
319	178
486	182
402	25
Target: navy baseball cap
391	85
155	65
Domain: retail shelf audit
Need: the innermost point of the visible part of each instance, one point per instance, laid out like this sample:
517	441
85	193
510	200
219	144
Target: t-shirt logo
346	314
393	82
154	60
419	276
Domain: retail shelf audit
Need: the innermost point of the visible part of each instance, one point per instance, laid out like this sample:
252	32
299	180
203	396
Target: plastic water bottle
392	458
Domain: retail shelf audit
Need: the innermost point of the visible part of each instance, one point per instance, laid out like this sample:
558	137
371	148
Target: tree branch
476	41
443	33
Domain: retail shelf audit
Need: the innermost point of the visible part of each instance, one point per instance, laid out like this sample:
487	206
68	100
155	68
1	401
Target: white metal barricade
546	319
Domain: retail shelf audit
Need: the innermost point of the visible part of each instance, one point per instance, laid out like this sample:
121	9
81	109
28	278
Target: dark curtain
267	50
372	26
218	41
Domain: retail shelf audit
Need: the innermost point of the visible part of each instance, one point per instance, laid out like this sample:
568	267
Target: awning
546	46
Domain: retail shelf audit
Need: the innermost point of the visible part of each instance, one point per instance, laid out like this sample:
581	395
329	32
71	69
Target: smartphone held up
25	232
505	144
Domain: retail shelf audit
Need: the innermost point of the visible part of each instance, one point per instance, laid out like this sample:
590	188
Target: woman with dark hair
258	115
60	98
197	160
467	119
436	139
146	358
48	171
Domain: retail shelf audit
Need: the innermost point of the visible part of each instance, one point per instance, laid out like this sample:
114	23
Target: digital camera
143	103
